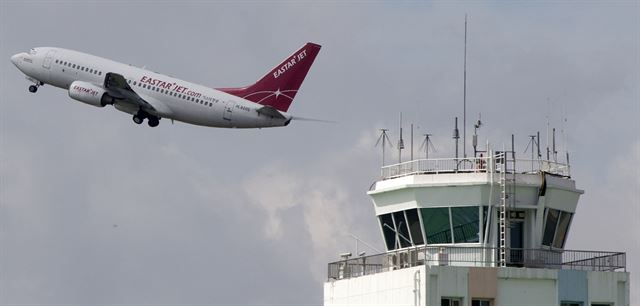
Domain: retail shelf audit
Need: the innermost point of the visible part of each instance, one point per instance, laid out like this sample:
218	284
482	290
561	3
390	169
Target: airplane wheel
137	119
33	88
153	121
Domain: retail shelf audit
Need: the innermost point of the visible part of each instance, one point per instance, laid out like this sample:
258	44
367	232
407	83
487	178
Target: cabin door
228	110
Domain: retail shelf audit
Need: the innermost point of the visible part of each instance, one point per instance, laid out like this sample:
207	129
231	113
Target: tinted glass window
550	226
563	227
465	224
388	231
436	225
414	224
402	228
485	217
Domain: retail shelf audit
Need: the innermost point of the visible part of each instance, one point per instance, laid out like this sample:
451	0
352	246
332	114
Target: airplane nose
15	59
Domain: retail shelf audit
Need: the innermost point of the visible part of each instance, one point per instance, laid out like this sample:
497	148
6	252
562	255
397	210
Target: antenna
464	94
384	138
412	141
400	142
538	144
532	143
548	108
456	136
475	134
555	153
425	144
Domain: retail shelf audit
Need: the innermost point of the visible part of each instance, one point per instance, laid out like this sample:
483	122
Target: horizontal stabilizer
271	112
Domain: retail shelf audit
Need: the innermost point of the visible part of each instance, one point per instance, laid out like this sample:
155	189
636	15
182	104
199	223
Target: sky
97	210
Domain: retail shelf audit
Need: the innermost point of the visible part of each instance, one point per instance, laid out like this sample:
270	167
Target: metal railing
471	165
477	257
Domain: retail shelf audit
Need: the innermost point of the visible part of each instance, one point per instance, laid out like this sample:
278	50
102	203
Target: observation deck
477	257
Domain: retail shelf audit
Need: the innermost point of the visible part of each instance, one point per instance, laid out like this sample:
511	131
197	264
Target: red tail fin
278	87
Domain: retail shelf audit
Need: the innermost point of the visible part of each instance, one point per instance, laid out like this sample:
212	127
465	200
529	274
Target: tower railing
476	257
470	165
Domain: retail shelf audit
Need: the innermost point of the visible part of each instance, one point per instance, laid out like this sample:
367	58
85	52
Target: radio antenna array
426	143
384	138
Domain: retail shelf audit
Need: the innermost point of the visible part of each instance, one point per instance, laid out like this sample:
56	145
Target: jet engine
89	93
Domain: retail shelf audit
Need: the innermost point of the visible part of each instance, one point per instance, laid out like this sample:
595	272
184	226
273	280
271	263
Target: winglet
280	85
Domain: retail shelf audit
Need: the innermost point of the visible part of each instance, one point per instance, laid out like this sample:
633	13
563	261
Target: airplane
149	95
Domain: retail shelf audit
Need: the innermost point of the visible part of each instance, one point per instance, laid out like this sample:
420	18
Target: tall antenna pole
464	94
548	109
400	142
412	141
456	136
555	153
538	144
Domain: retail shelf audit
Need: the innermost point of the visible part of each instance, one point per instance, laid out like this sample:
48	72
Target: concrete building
482	231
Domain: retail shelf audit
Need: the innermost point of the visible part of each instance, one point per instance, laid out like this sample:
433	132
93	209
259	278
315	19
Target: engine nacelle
89	93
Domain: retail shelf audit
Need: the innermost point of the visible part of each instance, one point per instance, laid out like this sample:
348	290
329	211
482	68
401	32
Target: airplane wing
117	87
270	111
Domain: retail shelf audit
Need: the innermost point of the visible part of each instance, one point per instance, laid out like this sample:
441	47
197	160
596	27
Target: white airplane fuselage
170	97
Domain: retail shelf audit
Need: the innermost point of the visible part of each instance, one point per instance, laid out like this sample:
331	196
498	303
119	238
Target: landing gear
138	119
153	121
33	88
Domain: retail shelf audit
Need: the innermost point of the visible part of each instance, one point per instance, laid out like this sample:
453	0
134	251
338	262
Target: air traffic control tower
482	231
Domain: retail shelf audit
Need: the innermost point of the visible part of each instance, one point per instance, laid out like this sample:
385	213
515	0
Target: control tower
479	231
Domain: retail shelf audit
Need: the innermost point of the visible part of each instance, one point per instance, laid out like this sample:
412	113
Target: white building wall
527	292
427	285
608	288
405	287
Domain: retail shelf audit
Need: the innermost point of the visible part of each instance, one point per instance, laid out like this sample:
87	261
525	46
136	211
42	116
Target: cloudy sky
97	210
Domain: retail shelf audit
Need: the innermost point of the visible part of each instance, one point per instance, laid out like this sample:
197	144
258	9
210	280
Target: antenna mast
400	142
464	93
384	138
426	143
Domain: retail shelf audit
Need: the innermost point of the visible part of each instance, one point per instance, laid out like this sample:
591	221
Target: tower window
388	230
437	225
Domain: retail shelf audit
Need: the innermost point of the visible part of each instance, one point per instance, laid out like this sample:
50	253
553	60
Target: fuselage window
134	83
74	66
100	73
56	61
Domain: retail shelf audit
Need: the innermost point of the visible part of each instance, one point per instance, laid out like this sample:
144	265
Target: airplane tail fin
278	87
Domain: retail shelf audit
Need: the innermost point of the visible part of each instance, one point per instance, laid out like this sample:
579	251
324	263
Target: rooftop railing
473	165
477	257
